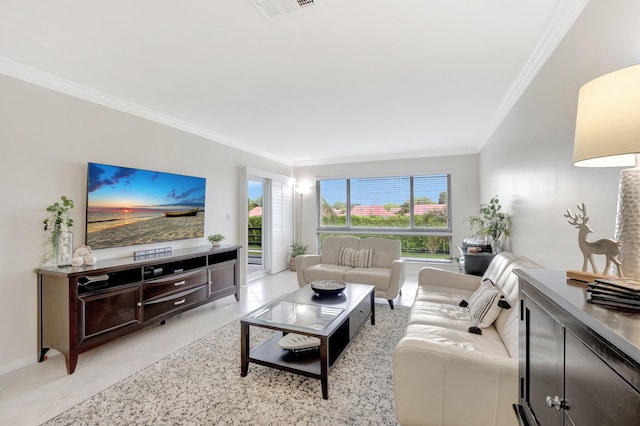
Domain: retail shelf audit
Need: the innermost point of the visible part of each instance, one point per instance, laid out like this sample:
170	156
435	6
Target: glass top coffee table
334	319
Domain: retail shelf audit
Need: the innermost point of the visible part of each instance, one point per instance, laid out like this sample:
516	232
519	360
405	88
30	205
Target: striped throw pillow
346	256
485	304
365	258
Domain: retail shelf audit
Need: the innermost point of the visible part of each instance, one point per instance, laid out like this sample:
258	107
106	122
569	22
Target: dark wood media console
80	308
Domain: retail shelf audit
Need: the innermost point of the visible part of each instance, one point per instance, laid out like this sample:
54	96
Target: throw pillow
346	256
485	304
365	258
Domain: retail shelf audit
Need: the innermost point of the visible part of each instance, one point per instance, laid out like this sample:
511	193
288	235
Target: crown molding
441	152
559	23
50	81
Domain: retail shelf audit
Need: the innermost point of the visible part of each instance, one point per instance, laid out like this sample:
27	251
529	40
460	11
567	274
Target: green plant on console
57	224
215	238
491	221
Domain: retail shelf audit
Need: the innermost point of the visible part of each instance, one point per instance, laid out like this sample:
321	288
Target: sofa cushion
442	294
331	246
498	267
378	277
387	250
489	344
507	327
507	322
441	315
325	272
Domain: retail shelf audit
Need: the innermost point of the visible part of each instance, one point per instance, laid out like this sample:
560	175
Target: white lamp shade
608	120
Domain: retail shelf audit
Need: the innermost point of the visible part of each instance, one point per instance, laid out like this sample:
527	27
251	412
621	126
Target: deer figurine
610	248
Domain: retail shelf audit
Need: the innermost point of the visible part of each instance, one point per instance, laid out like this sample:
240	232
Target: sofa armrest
434	380
435	276
398	272
304	261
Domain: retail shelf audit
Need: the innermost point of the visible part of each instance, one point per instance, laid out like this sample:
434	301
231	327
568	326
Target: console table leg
42	355
72	361
244	349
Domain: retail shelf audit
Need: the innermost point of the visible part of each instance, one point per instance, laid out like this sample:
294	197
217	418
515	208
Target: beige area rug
201	385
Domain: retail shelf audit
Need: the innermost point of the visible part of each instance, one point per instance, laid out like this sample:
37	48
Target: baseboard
15	365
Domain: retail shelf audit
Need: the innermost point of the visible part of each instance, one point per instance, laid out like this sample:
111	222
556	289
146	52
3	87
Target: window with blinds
412	208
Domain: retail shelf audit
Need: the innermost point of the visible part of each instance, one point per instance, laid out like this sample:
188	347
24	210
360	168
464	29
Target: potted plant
492	222
215	239
297	249
59	242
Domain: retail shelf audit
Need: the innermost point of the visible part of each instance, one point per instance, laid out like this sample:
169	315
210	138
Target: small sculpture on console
610	248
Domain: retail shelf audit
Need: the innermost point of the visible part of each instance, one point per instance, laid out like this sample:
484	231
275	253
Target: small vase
496	245
64	249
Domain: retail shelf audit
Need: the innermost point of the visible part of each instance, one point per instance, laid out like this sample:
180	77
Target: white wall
48	138
464	186
528	161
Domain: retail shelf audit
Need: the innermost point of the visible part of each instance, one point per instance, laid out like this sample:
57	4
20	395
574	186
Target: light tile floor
40	391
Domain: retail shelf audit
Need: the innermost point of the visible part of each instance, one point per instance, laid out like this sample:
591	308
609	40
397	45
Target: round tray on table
328	287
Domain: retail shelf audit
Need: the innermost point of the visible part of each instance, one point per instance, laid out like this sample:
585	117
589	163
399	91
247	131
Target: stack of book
615	292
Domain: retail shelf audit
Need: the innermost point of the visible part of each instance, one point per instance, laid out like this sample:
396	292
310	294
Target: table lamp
608	135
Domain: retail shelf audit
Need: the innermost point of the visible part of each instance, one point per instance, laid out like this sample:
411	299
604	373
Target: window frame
412	230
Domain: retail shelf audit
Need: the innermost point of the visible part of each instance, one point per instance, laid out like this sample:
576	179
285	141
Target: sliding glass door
269	224
255	227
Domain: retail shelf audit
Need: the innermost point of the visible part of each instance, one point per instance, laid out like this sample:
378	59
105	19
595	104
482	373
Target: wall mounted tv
127	206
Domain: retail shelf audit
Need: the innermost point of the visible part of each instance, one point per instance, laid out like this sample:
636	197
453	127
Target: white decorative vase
63	247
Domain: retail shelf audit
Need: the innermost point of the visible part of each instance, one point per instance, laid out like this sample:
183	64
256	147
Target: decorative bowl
328	287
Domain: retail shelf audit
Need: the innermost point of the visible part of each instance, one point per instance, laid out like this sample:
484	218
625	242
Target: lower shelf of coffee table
270	354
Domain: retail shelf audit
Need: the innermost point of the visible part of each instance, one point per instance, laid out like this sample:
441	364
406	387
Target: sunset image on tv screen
127	206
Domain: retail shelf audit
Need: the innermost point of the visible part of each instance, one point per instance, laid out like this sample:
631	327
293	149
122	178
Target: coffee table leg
244	349
373	309
324	366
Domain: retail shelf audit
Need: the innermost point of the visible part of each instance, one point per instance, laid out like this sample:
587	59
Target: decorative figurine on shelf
84	256
610	248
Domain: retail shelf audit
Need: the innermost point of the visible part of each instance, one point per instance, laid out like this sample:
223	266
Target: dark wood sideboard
579	362
80	308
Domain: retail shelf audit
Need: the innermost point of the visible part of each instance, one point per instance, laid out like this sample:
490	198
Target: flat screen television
127	206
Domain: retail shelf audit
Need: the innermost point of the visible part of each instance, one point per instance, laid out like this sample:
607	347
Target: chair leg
400	293
391	303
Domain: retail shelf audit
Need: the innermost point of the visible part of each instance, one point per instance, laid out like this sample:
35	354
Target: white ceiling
340	81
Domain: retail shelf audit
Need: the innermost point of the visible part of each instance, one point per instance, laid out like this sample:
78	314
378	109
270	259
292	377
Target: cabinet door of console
102	313
222	278
544	358
595	393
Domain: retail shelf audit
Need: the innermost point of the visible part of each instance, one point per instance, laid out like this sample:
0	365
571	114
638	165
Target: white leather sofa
387	273
445	375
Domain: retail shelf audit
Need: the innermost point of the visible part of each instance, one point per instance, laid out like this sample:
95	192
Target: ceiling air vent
274	8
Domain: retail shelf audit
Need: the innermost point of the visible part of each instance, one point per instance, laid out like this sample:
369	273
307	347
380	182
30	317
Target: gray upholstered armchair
374	261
